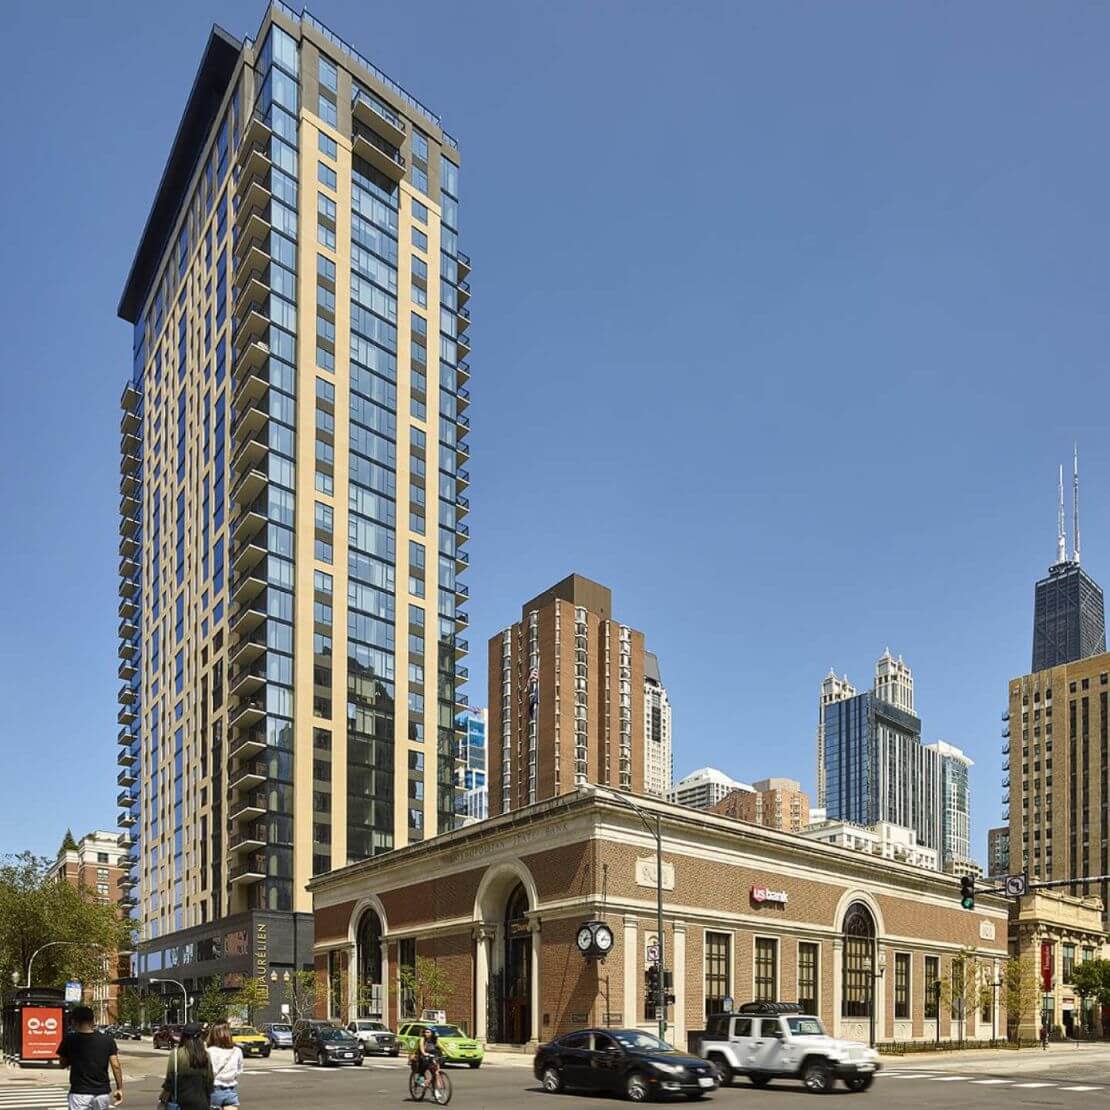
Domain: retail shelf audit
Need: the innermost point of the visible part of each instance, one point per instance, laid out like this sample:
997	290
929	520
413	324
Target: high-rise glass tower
293	467
1069	622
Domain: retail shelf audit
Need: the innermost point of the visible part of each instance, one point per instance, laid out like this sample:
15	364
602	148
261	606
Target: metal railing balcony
250	743
249	421
256	132
131	421
462	373
254	836
131	398
462	531
249	487
128	902
128	609
250	454
462	560
246	618
461	673
462	394
249	552
126	777
130	446
463	343
461	589
127	820
247	650
127	715
246	680
128	545
461	647
462	618
379	154
128	587
253	195
251	870
127	882
254	160
251	773
125	799
131	463
462	505
125	841
253	325
369	110
462	420
130	485
249	518
129	650
128	629
129	527
463	288
251	359
248	712
126	758
462	478
250	805
127	695
463	260
126	736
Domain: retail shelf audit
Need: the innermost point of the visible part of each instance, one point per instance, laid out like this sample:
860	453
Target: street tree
1091	980
425	984
153	1007
1020	993
36	910
251	997
212	1004
129	1007
963	989
300	994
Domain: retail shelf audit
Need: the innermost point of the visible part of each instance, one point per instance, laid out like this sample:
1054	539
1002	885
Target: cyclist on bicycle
425	1052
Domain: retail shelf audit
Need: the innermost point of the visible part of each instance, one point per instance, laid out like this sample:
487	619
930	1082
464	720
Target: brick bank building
749	913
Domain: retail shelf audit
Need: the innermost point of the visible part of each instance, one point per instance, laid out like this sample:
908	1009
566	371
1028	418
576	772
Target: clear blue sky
784	316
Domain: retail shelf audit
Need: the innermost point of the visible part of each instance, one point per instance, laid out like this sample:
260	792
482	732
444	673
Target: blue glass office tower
876	768
472	793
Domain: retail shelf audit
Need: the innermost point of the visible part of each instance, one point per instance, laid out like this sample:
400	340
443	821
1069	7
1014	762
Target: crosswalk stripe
991	1082
904	1075
1080	1088
948	1078
1034	1084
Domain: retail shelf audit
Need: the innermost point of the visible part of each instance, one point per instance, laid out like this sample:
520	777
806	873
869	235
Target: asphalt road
1011	1080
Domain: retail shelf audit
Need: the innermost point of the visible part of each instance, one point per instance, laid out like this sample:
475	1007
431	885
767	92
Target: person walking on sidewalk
188	1083
88	1055
227	1066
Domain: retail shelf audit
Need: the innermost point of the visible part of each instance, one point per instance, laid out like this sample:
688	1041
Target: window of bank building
718	953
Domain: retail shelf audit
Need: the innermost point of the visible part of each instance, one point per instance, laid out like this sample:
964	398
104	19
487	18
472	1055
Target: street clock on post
594	939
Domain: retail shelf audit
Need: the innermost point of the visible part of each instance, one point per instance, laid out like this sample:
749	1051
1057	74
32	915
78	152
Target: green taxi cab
456	1046
250	1040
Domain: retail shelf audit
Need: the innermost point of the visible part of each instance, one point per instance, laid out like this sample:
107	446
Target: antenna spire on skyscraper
1075	504
1061	531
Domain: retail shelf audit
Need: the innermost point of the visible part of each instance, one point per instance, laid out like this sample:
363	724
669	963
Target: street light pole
184	992
52	944
656	833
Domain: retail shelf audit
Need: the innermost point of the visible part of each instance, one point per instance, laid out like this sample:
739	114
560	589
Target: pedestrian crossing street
33	1098
1016	1083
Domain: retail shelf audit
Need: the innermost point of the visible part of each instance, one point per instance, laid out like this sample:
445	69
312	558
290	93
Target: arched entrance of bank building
506	958
369	997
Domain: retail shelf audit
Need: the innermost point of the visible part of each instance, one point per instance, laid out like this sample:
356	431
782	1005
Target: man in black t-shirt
88	1055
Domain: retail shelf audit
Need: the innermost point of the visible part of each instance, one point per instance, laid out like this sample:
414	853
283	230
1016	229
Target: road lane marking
1034	1084
949	1078
989	1082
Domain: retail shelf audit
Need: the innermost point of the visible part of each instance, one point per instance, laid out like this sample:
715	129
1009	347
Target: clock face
604	938
585	938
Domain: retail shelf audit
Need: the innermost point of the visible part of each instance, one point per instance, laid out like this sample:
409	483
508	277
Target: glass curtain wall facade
1069	622
292	476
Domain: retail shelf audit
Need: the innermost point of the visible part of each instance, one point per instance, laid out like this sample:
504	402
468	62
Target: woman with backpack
189	1081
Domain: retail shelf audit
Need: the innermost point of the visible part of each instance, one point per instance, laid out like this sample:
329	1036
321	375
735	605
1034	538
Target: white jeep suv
775	1040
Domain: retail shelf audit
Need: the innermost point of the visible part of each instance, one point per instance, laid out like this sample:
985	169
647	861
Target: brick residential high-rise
566	698
95	862
772	803
293	468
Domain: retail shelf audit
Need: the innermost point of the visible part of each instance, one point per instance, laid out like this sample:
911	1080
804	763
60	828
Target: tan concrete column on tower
678	965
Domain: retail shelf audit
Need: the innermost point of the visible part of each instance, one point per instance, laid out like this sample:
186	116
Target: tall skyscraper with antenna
1068	613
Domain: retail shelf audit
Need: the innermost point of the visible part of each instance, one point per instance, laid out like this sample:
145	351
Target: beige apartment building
566	698
293	461
1056	737
773	803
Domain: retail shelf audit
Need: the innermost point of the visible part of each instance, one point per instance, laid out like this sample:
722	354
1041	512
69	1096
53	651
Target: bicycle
435	1080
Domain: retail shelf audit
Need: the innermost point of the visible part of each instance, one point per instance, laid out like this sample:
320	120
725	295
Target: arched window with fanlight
859	962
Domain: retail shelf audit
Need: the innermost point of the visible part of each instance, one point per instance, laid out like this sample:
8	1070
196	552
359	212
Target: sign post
1046	984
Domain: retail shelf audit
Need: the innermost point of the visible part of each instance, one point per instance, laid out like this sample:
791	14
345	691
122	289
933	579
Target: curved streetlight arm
184	992
51	944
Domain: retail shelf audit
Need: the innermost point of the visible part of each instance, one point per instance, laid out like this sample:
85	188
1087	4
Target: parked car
454	1045
167	1036
376	1037
127	1033
778	1040
279	1034
250	1040
326	1044
621	1061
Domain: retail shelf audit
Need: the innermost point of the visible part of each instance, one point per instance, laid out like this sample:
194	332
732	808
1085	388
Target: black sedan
636	1064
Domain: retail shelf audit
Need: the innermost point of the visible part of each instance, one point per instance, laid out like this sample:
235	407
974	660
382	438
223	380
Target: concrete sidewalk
1012	1060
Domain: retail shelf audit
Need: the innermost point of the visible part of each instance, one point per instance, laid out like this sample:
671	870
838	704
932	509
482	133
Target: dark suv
326	1044
167	1036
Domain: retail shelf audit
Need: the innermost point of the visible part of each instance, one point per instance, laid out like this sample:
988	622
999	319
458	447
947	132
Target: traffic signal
967	892
652	987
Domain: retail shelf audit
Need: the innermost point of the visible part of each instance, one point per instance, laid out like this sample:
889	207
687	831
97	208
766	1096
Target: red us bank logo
762	894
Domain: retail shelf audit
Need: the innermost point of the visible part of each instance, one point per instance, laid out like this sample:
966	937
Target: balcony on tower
463	343
250	419
462	373
464	292
127	695
256	133
128	543
127	882
129	649
249	773
250	519
127	820
380	153
130	484
461	647
462	506
248	806
128	607
248	712
128	629
126	757
251	870
249	486
254	157
129	448
248	615
249	742
375	114
253	324
247	680
463	260
247	650
126	777
127	715
248	838
462	398
462	478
